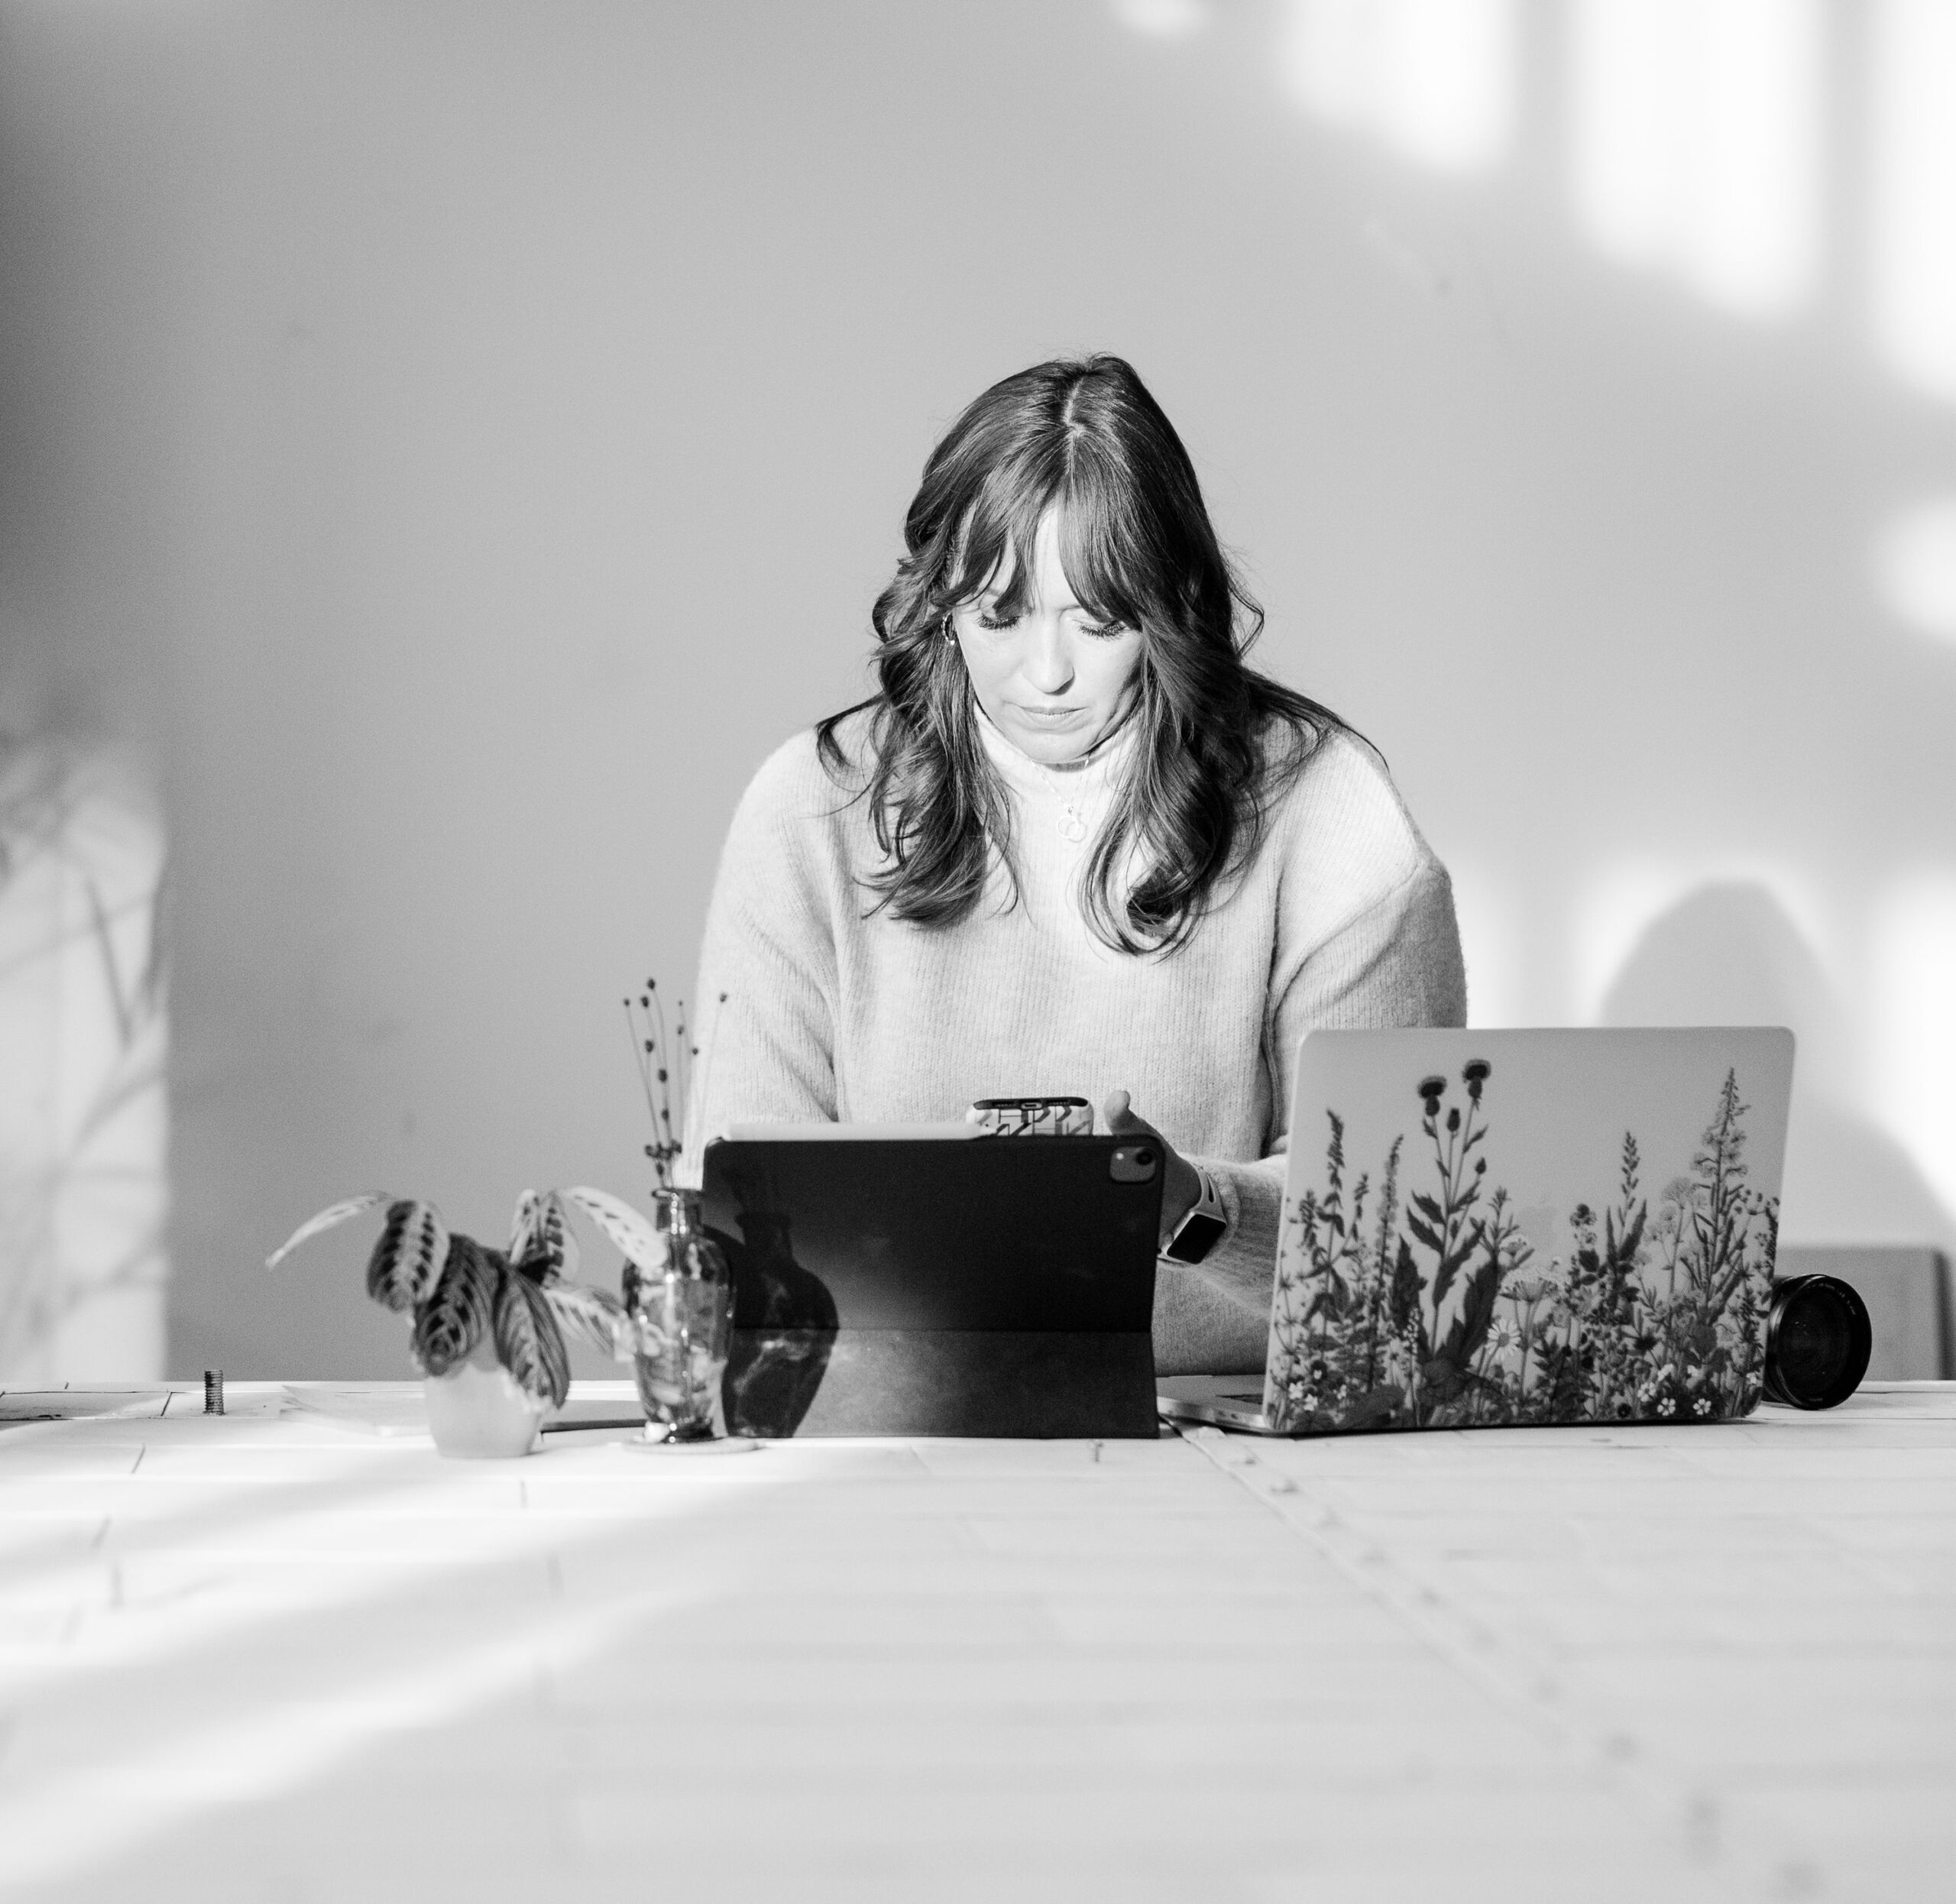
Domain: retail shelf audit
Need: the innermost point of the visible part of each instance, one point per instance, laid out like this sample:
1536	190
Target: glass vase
682	1310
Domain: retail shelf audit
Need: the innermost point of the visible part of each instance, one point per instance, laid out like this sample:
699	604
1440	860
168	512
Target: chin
1061	743
1053	749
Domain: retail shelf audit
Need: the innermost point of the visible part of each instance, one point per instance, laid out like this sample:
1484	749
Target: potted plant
489	1325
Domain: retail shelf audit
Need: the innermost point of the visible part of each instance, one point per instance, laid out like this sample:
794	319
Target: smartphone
1032	1116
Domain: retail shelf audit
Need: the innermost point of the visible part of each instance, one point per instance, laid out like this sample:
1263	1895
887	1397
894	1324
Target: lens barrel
1818	1341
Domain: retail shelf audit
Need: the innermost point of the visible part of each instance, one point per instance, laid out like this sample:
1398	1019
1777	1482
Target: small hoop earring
948	635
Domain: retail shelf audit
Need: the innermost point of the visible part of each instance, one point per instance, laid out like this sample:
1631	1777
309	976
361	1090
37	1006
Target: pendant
1073	827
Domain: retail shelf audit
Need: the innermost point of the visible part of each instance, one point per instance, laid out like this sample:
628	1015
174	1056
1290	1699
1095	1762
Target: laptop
1519	1227
907	1283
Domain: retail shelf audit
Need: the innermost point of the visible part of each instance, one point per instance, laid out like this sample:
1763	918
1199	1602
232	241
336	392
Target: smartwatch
1201	1230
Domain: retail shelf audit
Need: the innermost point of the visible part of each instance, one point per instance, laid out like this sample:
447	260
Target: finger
1119	1113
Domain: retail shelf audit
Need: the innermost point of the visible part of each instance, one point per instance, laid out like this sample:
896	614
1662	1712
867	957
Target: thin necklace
1073	823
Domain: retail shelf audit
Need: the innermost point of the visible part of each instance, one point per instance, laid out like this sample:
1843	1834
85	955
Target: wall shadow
1728	953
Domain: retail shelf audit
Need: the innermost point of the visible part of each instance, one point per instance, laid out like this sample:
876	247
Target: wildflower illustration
1436	1315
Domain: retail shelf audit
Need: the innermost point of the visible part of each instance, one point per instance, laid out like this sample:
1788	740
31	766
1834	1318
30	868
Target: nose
1048	663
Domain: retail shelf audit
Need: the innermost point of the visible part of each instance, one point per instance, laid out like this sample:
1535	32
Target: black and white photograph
977	951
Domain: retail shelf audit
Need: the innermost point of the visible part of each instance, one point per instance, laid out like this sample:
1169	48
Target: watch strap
1204	1225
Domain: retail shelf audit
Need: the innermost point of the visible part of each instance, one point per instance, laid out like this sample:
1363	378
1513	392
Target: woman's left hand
1181	1189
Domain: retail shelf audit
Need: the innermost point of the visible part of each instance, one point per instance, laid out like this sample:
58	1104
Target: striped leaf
522	1225
541	1231
327	1218
528	1343
452	1319
619	1222
560	1242
412	1248
592	1315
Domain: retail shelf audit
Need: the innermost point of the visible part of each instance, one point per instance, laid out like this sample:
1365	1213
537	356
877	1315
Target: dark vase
784	1324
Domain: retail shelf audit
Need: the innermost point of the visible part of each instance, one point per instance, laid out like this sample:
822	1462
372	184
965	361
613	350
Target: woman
1074	845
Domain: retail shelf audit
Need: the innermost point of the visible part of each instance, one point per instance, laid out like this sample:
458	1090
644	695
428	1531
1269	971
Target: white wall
460	441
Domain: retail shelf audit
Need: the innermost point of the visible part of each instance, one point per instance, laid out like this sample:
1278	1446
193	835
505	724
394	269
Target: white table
260	1656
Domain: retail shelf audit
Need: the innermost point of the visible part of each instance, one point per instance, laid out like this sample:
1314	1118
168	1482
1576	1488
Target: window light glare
1628	71
1161	19
67	1819
1445	75
1914	1045
1328	55
1748	234
1488	941
1433	80
1696	132
1914	567
1914	179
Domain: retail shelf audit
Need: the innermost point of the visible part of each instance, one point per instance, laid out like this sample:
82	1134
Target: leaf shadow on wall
1729	954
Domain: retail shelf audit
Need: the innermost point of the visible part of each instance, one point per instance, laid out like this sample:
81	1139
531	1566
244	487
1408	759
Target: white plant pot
477	1412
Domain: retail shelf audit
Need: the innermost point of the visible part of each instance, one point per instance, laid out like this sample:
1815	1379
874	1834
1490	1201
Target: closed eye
1109	631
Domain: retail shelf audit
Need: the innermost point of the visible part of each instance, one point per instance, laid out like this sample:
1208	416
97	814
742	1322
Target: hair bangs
1102	549
995	545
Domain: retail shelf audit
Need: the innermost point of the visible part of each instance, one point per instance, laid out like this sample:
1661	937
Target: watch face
1199	1235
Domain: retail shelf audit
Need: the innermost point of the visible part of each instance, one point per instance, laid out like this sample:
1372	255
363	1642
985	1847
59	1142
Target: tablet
896	1286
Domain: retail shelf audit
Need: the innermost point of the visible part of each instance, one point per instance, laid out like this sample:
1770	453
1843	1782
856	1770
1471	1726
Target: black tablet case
1000	1286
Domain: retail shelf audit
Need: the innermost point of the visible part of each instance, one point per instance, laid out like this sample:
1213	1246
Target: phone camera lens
1818	1341
1144	1156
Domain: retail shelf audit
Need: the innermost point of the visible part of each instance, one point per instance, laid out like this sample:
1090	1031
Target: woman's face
1057	680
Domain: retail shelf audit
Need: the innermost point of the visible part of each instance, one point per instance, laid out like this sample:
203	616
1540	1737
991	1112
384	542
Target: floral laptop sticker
1498	1228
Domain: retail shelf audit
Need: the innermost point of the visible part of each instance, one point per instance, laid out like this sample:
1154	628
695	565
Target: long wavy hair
1218	741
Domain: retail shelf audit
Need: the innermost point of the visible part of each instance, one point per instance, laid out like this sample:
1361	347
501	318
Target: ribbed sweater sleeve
765	1005
1395	962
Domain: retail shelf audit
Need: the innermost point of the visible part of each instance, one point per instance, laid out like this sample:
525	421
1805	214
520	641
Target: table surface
264	1655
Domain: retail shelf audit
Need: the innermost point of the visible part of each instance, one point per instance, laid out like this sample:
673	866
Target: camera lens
1818	1341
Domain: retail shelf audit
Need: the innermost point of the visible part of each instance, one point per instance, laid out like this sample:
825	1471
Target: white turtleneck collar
1084	779
1060	810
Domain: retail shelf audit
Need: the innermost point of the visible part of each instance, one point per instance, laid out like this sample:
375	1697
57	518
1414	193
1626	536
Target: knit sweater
1343	917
